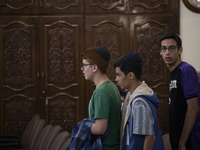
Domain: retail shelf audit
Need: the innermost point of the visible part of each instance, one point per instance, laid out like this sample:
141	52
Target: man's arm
99	127
149	142
190	118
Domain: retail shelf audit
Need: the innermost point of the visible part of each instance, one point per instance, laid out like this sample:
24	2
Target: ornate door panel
61	6
61	84
106	6
110	31
19	83
145	34
43	75
18	7
131	6
40	6
152	6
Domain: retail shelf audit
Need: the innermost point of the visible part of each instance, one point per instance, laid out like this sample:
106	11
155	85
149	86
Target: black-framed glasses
170	48
83	65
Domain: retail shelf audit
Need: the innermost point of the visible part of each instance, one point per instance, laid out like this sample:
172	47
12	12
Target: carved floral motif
61	55
147	43
17	56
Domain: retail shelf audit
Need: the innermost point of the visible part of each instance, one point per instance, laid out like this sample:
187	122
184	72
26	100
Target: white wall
190	34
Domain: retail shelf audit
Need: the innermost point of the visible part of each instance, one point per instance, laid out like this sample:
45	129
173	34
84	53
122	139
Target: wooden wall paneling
41	7
19	7
19	83
106	6
61	7
130	6
61	85
57	32
151	6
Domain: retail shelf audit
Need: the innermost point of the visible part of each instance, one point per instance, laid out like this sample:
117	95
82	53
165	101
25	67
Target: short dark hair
130	62
174	36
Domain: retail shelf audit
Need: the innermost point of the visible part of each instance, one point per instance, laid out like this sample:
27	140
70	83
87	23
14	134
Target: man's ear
131	75
95	68
180	50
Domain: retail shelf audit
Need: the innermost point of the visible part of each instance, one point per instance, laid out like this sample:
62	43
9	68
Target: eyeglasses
170	48
83	65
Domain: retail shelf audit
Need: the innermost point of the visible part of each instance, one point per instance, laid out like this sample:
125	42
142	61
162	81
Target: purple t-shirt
189	81
183	86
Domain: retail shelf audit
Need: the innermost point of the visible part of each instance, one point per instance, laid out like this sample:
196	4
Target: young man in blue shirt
140	128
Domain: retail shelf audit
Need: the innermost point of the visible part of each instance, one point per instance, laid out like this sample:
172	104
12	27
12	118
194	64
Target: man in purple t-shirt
184	100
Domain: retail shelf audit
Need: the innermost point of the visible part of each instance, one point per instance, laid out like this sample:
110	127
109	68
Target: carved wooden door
19	79
112	32
40	46
40	63
133	25
145	34
40	71
61	84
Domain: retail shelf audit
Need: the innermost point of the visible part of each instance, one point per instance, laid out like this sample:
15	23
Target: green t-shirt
105	103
